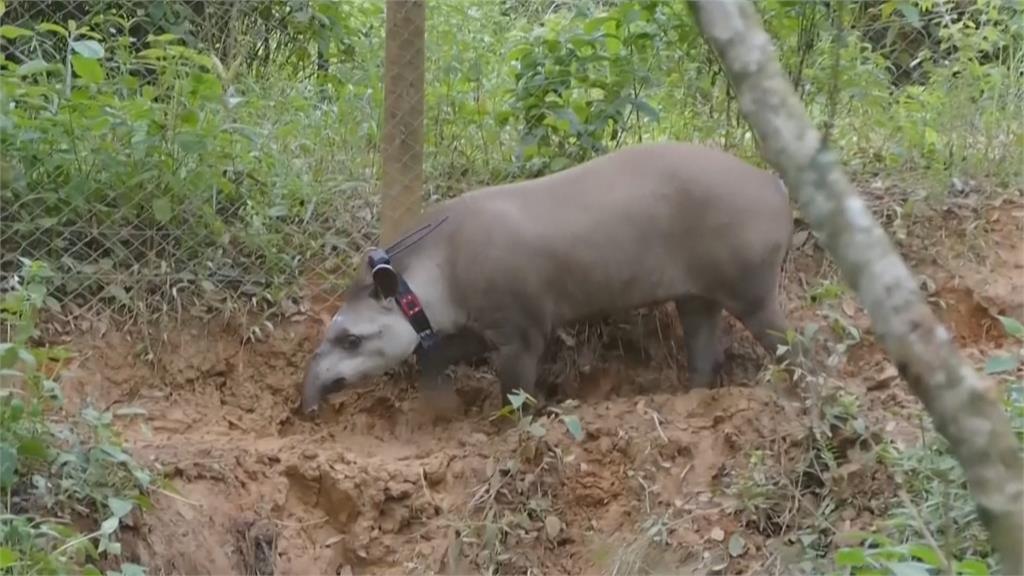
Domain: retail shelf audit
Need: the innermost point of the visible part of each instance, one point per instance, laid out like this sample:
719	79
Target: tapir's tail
786	253
785	189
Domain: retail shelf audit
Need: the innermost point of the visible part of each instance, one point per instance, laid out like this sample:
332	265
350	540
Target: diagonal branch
964	407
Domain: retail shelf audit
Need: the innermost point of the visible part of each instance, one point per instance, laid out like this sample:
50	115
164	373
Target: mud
375	486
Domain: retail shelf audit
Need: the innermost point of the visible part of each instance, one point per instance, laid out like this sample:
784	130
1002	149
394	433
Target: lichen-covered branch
963	405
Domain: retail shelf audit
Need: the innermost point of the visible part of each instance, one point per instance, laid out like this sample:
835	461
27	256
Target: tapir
498	269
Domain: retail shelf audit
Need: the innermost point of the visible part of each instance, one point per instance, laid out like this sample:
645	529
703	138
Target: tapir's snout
321	380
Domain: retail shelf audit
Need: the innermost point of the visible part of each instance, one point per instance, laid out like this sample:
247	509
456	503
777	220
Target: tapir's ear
385	279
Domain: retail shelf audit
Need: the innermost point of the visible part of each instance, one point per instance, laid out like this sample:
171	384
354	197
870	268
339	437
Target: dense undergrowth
160	162
66	483
931	524
844	467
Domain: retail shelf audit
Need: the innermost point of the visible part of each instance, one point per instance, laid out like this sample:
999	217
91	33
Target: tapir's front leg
436	384
701	319
517	364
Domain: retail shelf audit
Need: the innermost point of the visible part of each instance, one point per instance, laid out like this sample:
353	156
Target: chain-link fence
201	158
187	156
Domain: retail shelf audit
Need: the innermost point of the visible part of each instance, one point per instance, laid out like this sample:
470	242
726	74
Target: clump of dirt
662	480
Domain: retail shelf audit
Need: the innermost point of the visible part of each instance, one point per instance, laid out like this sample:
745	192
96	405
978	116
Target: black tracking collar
391	284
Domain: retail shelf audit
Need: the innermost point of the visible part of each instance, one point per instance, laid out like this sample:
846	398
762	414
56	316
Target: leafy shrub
933	525
154	170
55	478
579	82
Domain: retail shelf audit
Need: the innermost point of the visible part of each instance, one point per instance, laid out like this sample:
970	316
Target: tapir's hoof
303	414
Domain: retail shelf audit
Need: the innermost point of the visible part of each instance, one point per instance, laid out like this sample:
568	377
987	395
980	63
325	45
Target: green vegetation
66	485
202	157
182	155
931	523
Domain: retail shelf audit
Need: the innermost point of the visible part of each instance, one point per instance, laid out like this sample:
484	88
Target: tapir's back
643	223
660	182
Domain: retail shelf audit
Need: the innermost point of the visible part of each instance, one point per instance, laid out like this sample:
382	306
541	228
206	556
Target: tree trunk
964	406
402	138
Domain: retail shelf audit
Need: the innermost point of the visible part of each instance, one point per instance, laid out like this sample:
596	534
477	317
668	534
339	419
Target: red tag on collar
410	303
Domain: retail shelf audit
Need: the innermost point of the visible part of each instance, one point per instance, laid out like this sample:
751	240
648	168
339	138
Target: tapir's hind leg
701	319
765	321
768	326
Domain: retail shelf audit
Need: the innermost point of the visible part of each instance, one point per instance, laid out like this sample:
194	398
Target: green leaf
129	569
8	557
910	12
8	355
519	51
516	399
8	465
10	32
143	502
91	570
110	525
559	163
32	67
592	25
118	293
1001	363
191	142
50	27
851	557
572	423
87	69
57	353
116	453
28	358
972	567
15	410
925	554
613	44
119	506
162	210
141	476
206	86
88	48
166	37
908	569
33	448
1012	326
646	109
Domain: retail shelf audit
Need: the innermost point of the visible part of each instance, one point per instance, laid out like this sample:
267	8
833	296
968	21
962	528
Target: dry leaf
849	307
887	377
799	238
717	534
553	526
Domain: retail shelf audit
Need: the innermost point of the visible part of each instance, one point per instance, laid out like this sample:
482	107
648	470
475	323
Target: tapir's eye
351	342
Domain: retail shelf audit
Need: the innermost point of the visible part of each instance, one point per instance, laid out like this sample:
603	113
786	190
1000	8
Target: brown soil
374	486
